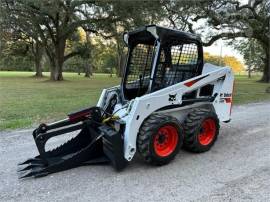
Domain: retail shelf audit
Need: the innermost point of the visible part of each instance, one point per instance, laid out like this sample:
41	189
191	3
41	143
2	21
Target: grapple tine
69	155
32	173
27	167
25	174
31	160
30	166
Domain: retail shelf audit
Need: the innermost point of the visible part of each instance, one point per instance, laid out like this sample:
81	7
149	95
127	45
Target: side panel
224	90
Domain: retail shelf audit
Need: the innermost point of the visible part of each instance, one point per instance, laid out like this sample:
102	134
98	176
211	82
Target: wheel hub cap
207	132
166	140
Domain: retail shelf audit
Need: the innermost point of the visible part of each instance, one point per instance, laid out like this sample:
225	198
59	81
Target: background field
26	101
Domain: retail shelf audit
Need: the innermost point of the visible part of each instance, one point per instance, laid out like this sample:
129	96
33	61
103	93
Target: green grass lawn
26	101
249	90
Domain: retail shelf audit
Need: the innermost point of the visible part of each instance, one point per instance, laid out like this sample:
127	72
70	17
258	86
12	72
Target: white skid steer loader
168	98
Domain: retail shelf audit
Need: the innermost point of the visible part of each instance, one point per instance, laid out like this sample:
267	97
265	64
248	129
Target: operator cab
159	57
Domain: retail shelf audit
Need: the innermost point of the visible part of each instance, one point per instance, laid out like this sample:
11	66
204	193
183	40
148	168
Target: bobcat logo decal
172	97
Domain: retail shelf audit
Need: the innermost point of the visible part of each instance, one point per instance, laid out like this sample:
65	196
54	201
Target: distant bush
16	63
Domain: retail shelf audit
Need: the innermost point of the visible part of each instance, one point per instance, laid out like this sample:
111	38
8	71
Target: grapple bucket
96	143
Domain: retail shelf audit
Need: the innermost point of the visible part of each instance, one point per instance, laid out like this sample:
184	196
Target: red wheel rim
166	140
208	132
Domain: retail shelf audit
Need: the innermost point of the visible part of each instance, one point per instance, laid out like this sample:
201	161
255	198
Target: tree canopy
231	61
50	28
225	19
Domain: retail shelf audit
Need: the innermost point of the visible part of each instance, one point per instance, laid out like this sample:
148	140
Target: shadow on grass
38	77
61	81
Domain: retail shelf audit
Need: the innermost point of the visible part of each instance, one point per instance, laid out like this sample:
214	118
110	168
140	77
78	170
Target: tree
104	55
234	63
53	22
230	61
214	59
80	44
226	19
131	14
15	55
87	55
20	43
37	51
252	52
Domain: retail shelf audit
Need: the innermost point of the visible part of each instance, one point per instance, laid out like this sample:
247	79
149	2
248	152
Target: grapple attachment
96	143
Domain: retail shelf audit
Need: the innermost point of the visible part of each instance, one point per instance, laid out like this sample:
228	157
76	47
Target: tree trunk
88	71
266	69
57	73
88	65
38	67
58	61
249	72
37	50
121	61
56	69
122	64
120	54
111	71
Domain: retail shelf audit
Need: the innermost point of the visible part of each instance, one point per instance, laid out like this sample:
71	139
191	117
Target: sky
220	48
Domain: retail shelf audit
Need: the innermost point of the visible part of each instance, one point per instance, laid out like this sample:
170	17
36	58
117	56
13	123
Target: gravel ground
236	169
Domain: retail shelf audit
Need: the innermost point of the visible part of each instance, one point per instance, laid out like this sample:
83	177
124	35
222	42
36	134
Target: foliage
234	63
53	26
230	61
74	64
15	55
132	15
104	56
53	23
225	19
16	63
252	52
213	59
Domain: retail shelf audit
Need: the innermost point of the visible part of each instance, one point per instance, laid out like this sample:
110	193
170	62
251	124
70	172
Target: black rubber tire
145	138
192	127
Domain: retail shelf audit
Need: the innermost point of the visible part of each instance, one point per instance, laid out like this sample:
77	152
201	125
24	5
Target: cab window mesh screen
184	54
140	66
177	63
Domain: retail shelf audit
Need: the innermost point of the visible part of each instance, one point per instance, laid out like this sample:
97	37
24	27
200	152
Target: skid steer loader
168	98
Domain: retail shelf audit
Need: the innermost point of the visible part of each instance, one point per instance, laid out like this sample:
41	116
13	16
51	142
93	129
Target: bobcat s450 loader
168	99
